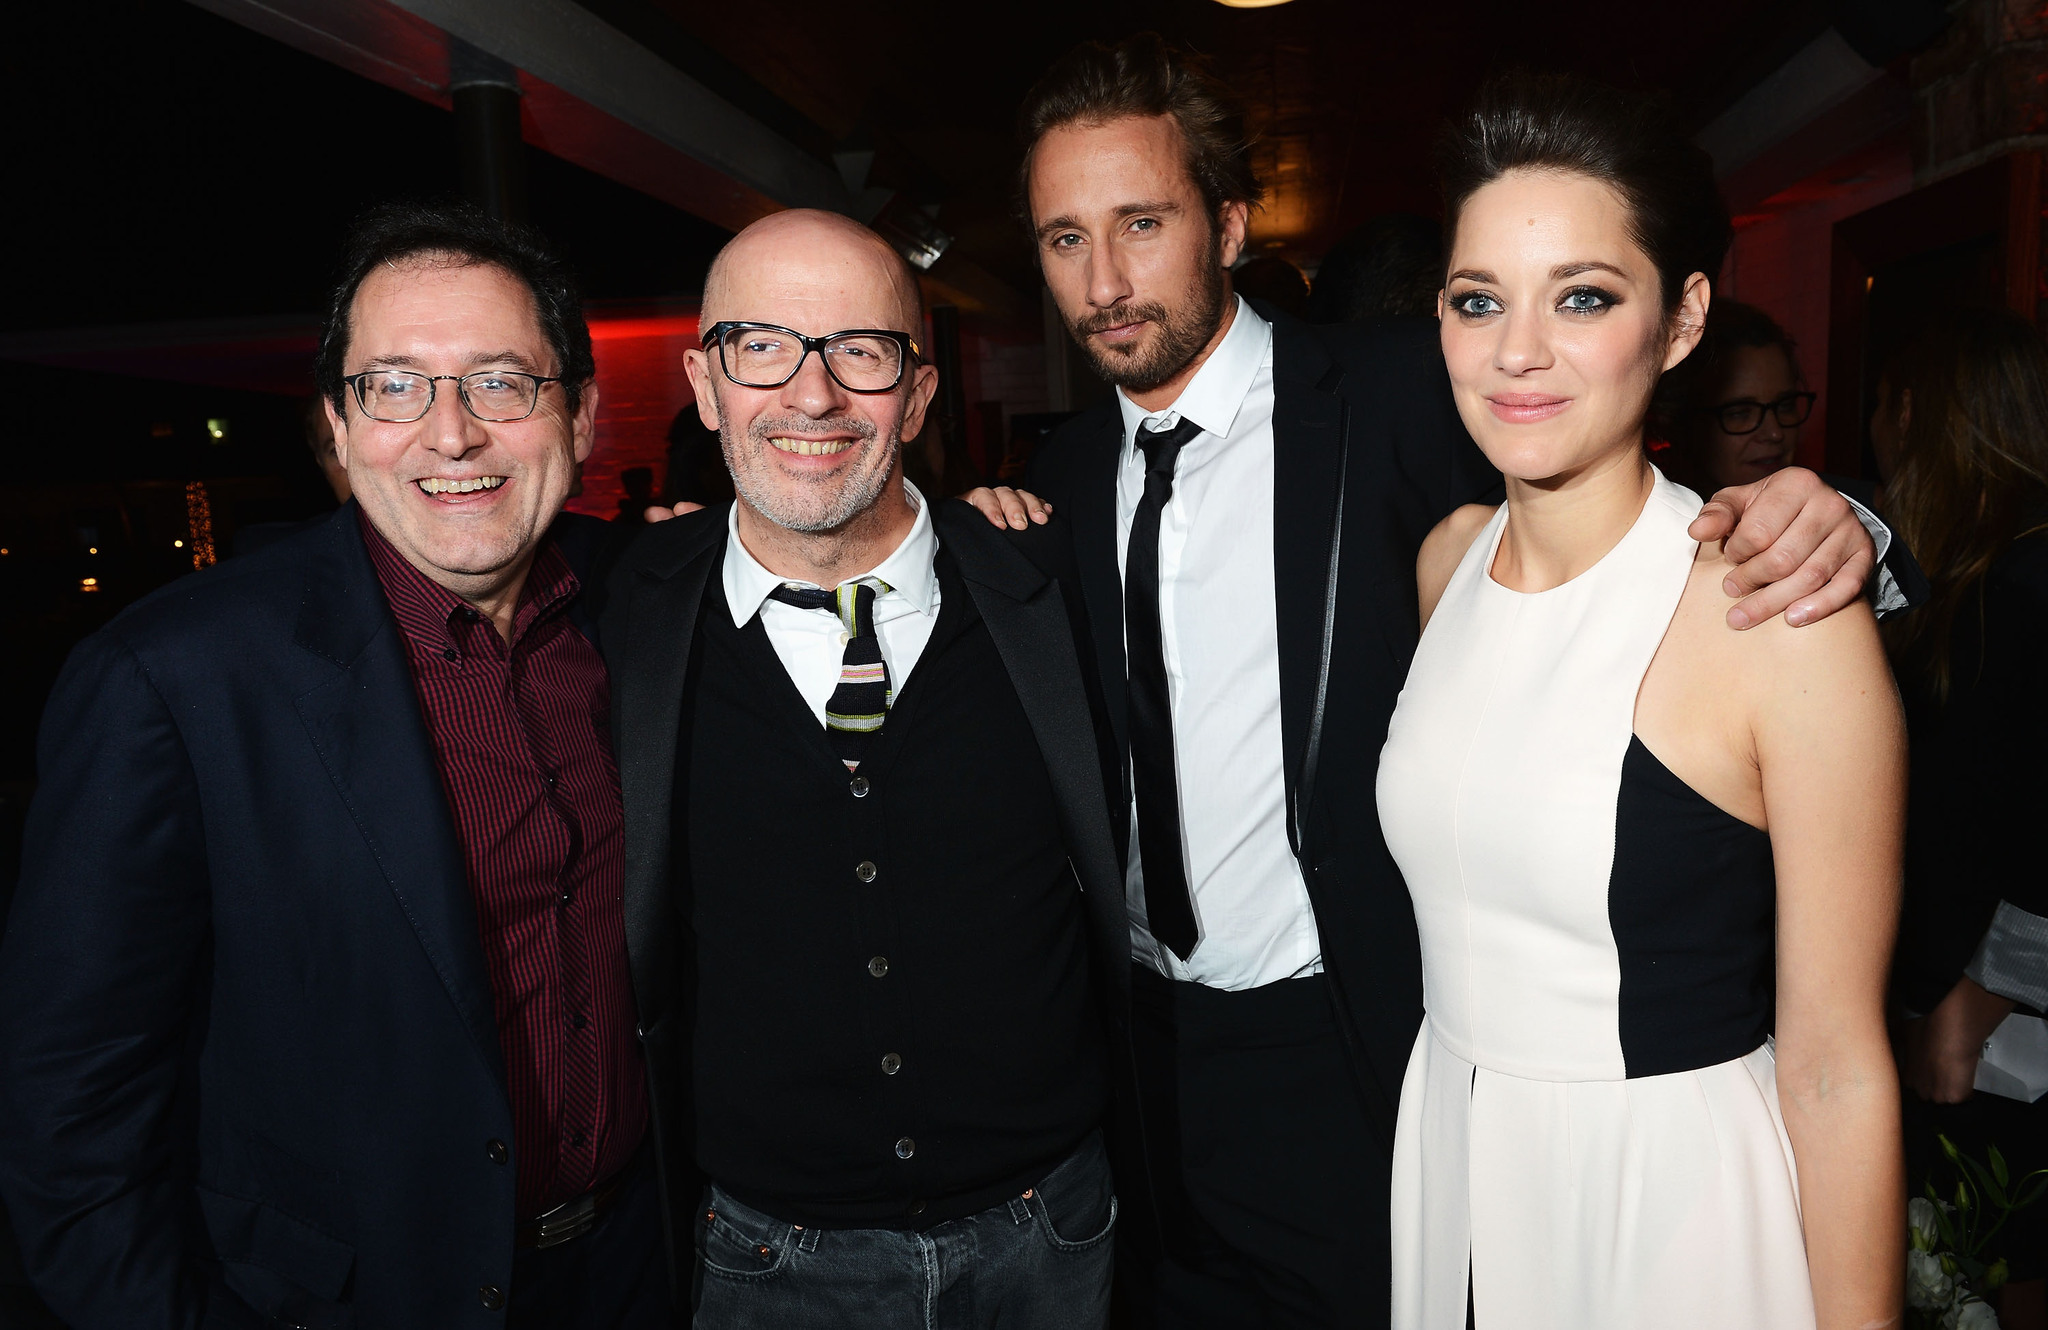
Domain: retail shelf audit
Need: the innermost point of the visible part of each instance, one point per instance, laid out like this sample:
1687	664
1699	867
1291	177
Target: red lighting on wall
641	385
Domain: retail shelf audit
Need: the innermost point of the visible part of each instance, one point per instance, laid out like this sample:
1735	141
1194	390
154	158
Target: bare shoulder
1444	548
1838	661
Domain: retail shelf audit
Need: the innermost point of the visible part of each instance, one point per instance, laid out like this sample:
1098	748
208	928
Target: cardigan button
492	1297
859	786
905	1148
891	1064
497	1152
878	966
864	870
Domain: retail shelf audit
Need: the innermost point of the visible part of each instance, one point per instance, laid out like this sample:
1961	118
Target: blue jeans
1040	1261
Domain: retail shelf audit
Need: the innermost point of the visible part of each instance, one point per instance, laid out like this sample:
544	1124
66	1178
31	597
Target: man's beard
1180	334
814	507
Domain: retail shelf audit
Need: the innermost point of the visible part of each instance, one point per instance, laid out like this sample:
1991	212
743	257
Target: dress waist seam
1450	1049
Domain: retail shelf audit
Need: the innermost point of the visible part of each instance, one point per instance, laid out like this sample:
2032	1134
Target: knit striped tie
858	706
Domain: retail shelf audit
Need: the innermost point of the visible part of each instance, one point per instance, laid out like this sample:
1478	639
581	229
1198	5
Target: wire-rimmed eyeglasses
399	397
860	360
1745	416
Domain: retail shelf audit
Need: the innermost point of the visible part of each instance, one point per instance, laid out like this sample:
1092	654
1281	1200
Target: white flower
1928	1286
1920	1224
1976	1316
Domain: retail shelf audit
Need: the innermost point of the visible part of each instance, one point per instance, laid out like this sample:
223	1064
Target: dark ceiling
1346	96
171	165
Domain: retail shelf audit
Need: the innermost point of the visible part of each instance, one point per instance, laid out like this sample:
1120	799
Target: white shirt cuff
1888	596
2012	960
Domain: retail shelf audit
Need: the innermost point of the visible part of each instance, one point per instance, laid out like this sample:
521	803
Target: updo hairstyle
1628	142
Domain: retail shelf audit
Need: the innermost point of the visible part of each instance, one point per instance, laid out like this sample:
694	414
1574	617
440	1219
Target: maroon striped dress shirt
521	734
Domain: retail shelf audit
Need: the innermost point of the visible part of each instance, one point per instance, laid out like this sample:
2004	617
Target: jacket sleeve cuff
1886	595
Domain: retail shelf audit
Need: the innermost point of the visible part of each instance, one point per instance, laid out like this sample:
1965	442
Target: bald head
803	259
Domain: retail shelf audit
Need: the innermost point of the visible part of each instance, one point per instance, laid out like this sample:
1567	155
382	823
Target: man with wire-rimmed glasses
865	814
319	1007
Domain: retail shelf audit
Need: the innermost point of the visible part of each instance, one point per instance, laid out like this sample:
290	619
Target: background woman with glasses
1732	411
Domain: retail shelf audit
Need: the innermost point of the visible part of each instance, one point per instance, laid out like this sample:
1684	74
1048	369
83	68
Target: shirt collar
1214	396
424	608
908	570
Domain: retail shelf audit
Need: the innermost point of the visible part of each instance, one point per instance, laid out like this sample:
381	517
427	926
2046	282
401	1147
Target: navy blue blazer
249	1067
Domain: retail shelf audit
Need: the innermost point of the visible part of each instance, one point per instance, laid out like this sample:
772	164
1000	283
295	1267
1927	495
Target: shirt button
917	1207
491	1296
859	786
577	1138
891	1064
497	1152
864	870
878	966
845	637
576	1020
905	1147
449	653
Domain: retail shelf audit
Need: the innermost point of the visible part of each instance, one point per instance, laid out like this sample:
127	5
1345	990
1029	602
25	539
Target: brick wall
1982	89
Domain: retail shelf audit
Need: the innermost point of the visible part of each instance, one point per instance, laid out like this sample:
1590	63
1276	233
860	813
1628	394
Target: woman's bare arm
1830	746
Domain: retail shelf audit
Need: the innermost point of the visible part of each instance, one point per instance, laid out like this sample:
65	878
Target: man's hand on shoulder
658	513
1797	548
1004	506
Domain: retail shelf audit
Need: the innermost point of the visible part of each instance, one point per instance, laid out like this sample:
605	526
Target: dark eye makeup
1588	300
1474	304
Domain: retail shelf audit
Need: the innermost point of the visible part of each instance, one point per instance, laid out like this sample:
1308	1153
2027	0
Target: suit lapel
651	636
366	725
1092	509
1309	427
1027	618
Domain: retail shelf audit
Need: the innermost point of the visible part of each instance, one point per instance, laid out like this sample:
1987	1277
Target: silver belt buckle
570	1219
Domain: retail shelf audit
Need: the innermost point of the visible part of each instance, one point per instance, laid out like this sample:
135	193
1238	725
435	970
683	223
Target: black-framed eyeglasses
399	397
860	360
1746	417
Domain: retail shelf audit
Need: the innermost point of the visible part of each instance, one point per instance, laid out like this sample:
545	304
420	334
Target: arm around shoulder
98	977
1444	549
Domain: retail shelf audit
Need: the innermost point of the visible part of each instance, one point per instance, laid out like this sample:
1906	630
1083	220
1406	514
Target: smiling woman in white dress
1654	859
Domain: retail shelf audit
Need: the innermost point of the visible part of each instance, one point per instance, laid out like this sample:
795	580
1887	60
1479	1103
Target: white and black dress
1589	1131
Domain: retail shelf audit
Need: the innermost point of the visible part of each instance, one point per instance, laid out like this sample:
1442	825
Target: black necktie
1169	912
860	703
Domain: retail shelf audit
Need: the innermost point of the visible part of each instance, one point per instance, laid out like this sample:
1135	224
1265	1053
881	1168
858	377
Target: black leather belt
578	1215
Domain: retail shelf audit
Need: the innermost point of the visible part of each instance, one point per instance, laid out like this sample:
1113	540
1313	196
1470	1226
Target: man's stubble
814	509
1182	331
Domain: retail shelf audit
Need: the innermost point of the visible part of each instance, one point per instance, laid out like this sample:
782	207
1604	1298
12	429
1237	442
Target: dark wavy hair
1145	76
460	235
1632	143
1972	468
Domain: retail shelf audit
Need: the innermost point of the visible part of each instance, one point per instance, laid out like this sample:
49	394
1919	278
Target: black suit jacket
249	1064
1368	455
1021	584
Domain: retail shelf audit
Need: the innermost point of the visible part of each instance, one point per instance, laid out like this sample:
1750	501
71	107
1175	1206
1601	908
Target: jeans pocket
1075	1205
739	1243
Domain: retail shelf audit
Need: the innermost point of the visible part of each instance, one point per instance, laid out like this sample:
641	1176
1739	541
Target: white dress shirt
810	643
1219	618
